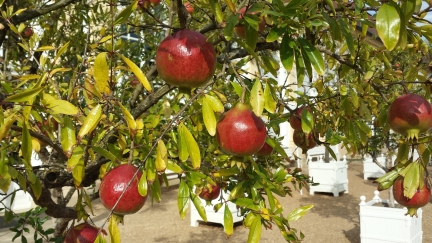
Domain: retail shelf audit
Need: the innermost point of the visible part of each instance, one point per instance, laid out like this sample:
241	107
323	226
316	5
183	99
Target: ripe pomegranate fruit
420	198
266	150
240	132
212	194
82	233
114	183
28	32
410	115
241	29
186	59
303	141
295	120
189	7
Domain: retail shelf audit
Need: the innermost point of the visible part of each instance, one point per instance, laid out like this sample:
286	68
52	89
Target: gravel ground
333	219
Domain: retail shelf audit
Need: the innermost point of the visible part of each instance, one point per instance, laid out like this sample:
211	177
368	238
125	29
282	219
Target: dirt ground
333	219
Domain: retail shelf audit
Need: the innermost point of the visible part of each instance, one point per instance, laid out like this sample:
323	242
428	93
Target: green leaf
251	34
307	121
287	52
26	95
232	20
183	199
192	146
26	147
78	172
105	153
214	5
181	146
124	15
138	73
411	180
298	213
143	185
101	74
270	103
155	190
388	25
77	154
257	98
300	68
174	167
348	36
36	188
237	89
228	222
68	137
276	146
62	50
199	206
247	203
208	116
255	231
313	55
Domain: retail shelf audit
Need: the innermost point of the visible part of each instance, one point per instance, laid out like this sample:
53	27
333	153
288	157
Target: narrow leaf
101	74
113	230
192	146
257	98
27	95
68	137
143	185
255	231
91	121
287	52
57	106
298	213
215	103
208	117
183	199
269	101
228	221
161	157
314	56
26	147
129	120
138	73
105	153
199	206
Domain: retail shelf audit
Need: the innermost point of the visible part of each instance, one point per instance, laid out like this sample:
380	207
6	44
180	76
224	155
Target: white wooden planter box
388	225
212	216
331	176
22	201
372	170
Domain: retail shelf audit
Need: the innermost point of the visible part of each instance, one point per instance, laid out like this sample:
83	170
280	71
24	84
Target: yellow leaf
129	119
215	103
138	73
57	106
161	157
208	116
101	73
257	98
192	146
113	230
91	121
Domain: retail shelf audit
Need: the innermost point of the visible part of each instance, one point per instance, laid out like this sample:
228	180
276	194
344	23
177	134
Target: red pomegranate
266	150
114	183
420	198
303	141
186	59
240	132
410	115
295	120
189	7
82	233
241	29
212	194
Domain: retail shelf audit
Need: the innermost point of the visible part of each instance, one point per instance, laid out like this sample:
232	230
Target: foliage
86	98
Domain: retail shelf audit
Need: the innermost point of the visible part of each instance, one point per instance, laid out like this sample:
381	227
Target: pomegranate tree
186	59
82	233
420	198
114	183
410	115
240	132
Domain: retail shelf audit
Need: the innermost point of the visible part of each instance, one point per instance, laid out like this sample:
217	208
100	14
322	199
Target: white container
22	201
331	176
372	170
388	225
212	216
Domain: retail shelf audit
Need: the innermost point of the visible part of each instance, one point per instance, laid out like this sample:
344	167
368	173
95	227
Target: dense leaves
84	94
